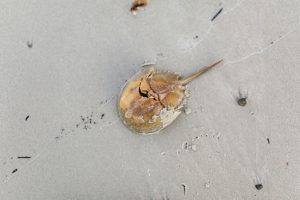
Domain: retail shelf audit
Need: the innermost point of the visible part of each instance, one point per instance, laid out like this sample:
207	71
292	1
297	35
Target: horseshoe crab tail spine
199	73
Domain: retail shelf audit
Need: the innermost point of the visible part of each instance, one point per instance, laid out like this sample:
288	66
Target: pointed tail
197	74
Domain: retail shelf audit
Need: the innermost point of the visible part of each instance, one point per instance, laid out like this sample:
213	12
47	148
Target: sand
63	64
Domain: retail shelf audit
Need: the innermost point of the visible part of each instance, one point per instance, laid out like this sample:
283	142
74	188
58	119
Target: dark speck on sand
259	186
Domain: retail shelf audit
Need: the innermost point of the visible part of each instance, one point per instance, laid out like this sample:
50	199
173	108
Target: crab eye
144	88
143	93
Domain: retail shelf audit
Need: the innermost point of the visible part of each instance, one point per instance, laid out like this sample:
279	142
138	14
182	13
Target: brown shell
148	114
138	5
153	99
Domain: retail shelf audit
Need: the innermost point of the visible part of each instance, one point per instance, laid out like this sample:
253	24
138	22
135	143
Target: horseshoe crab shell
152	99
